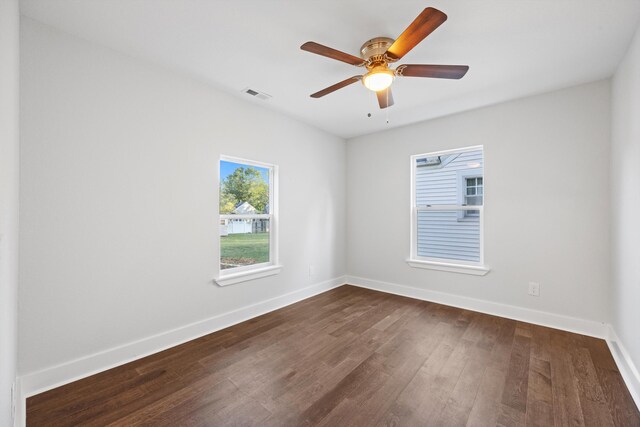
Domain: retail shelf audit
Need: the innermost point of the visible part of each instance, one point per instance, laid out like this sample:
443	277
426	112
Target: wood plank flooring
355	357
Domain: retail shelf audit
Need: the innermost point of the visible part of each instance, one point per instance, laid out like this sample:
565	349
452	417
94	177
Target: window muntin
447	206
247	220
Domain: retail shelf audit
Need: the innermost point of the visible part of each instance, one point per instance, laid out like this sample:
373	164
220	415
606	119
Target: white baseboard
557	321
55	376
628	369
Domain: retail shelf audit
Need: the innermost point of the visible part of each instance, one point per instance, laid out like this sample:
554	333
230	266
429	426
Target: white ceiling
513	48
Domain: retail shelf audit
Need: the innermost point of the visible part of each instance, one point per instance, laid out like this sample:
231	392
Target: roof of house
244	208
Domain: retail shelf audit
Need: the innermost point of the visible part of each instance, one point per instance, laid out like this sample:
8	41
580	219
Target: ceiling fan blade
435	71
329	52
421	27
385	98
336	86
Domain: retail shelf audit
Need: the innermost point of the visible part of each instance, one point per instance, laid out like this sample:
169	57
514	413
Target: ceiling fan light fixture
379	78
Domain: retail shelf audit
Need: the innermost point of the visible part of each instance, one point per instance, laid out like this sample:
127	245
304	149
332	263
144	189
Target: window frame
244	273
451	265
466	194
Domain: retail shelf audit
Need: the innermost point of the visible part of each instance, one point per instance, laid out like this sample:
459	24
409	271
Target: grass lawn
243	249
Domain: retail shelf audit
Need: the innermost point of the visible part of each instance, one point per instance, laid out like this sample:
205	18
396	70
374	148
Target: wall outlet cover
534	289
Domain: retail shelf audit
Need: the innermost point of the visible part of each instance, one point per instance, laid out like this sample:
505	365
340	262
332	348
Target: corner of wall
9	188
624	202
628	369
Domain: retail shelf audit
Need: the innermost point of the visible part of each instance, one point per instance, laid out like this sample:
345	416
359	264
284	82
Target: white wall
546	196
119	198
625	202
9	163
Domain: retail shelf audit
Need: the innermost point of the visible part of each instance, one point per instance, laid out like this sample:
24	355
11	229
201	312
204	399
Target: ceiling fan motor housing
373	51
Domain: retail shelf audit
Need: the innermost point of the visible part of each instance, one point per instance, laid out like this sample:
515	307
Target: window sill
244	276
475	270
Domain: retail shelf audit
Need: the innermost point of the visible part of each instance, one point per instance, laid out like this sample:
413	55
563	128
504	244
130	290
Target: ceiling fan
378	53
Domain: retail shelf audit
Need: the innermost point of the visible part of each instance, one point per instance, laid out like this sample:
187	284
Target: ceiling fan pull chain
387	109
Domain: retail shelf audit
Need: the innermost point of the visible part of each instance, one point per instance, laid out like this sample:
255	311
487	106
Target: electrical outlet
312	270
534	289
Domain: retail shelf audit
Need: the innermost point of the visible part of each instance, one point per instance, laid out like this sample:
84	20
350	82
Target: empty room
305	213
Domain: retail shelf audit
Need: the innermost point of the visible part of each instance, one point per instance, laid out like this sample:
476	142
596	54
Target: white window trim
453	268
256	271
244	276
465	267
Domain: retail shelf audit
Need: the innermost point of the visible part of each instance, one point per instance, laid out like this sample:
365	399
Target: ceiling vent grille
257	94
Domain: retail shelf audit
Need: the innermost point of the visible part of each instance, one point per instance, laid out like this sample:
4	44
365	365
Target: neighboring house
243	226
455	179
244	208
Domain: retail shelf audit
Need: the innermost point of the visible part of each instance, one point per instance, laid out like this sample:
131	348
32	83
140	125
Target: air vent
260	95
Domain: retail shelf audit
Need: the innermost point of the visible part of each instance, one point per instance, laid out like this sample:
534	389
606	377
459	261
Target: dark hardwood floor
357	357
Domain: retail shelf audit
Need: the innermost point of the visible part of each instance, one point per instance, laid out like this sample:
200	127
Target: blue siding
447	234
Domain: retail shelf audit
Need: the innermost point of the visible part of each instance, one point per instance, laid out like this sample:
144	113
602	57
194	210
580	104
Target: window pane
244	189
471	191
474	200
441	234
446	182
246	242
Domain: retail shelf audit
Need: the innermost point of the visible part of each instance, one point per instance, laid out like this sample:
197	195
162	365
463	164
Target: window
447	210
247	224
473	194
